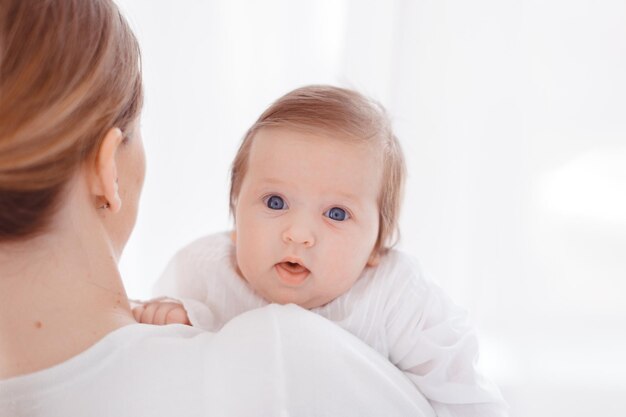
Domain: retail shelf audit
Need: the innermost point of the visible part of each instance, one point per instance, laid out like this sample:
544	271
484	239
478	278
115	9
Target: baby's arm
161	312
433	342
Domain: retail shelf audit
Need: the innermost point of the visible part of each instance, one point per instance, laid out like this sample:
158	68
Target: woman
71	172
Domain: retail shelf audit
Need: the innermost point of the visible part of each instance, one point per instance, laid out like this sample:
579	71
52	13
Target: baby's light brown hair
341	113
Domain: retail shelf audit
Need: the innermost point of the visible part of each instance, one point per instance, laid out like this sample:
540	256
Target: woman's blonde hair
340	113
69	71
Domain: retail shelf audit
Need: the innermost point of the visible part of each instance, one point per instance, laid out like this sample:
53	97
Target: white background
512	115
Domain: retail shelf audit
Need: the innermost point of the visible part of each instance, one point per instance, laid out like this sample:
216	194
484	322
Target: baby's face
307	215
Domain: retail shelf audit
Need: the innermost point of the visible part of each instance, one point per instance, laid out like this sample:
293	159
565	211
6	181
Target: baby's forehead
321	162
314	133
317	149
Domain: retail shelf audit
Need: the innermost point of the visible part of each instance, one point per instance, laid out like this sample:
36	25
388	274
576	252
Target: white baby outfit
392	307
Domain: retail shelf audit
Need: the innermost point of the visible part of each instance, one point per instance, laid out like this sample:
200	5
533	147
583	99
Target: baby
315	193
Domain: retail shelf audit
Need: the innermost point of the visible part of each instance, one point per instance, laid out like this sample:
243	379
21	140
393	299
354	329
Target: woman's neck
59	294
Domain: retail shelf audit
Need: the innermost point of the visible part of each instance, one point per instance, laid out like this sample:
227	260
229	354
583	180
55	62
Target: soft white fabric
277	361
406	318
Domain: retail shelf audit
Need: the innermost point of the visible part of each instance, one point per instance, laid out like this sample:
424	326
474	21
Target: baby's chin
307	303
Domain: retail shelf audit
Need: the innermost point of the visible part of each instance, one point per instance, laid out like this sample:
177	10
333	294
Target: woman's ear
104	181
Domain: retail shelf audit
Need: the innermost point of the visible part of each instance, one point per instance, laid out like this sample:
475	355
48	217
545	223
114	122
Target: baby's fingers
160	312
148	313
177	314
137	312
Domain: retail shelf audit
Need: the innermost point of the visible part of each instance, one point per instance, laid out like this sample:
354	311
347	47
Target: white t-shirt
409	320
277	361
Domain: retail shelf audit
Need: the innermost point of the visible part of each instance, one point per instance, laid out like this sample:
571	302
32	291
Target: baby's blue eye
337	214
275	203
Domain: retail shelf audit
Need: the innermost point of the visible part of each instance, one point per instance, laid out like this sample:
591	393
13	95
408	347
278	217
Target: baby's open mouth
293	267
292	273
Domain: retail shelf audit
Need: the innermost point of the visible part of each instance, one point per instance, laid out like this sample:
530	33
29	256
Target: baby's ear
374	258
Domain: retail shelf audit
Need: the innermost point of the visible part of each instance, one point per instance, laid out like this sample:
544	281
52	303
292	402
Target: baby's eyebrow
344	196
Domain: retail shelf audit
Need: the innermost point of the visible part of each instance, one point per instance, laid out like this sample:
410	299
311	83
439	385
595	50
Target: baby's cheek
345	264
246	270
252	257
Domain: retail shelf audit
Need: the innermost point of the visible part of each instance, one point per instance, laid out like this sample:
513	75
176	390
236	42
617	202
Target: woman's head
69	73
341	113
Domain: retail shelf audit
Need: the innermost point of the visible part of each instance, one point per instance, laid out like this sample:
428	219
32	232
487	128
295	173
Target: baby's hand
161	312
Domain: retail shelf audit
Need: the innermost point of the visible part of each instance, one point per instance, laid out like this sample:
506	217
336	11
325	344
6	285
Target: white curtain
512	118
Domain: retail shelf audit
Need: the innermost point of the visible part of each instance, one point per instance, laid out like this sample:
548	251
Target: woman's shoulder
180	370
121	364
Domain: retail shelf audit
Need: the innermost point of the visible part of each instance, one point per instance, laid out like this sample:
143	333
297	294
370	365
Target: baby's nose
299	234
